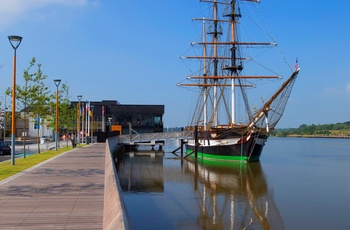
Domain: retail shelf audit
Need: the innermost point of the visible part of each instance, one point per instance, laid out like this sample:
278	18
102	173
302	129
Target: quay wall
114	211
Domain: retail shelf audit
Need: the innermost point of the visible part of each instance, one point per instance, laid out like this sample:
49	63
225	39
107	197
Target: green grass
7	170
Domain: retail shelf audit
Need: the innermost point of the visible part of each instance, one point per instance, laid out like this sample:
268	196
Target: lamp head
79	97
57	82
15	41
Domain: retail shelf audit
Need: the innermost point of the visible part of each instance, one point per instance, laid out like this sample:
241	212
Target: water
298	184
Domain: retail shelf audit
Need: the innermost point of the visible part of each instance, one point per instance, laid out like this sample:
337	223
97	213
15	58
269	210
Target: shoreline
317	136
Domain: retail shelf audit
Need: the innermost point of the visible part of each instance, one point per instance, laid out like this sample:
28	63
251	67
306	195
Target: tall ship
236	108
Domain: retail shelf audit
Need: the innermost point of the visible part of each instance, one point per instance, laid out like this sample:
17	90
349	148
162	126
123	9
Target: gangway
138	137
153	139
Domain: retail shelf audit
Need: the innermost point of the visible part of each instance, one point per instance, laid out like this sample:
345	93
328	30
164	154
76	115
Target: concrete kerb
114	211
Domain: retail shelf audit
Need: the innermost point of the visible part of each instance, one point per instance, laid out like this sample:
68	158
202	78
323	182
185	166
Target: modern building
22	124
104	116
108	113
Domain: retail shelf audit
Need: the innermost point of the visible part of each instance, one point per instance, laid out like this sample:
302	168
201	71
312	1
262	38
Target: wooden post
182	148
130	132
196	141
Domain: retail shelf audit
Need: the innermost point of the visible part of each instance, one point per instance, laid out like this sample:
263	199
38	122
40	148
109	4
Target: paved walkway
65	192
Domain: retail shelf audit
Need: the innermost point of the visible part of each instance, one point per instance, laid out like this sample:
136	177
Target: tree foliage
326	129
37	101
67	113
35	95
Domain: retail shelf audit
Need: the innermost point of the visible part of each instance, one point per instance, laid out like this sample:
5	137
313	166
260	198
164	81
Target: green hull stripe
218	157
221	163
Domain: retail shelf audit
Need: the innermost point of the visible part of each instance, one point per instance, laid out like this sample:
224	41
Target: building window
157	120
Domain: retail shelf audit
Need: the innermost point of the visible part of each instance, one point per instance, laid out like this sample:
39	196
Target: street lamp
15	41
78	126
57	83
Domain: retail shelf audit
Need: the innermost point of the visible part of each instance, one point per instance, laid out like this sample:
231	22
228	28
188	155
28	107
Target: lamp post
92	122
78	125
15	41
57	83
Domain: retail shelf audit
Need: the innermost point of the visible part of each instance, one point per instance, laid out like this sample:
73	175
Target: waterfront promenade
65	192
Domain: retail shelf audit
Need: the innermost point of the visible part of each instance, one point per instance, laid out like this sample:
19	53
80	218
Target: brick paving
65	192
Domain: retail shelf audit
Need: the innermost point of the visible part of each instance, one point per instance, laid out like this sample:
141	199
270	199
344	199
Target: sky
129	51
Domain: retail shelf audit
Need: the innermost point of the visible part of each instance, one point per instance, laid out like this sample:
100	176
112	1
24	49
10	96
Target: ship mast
216	74
235	67
233	60
215	61
205	89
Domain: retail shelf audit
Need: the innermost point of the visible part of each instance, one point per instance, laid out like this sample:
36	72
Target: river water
299	183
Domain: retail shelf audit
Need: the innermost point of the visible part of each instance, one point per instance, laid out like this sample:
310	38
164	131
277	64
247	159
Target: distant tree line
327	129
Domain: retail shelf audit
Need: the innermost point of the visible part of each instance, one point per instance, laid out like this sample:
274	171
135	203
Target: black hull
249	150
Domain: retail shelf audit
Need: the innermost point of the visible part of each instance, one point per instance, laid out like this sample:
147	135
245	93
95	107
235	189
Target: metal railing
127	138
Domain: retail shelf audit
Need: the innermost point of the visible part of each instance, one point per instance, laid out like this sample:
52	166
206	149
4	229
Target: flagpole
88	122
103	128
82	124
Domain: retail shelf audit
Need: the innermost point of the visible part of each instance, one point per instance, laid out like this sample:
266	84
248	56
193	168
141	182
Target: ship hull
245	148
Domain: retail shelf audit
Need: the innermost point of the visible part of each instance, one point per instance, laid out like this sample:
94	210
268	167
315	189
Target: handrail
127	138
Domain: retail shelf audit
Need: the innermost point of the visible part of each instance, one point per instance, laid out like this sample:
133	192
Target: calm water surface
298	184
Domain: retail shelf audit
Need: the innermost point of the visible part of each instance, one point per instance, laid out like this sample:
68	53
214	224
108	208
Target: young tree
34	96
41	97
23	97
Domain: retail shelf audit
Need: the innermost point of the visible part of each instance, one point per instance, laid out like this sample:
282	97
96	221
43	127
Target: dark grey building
143	118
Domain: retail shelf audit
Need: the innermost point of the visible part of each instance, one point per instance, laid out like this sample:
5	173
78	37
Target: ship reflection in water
184	194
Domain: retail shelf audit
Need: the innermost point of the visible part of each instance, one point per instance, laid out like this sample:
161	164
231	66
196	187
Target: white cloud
12	11
332	92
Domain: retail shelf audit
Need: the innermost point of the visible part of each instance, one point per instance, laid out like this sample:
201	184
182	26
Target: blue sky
129	51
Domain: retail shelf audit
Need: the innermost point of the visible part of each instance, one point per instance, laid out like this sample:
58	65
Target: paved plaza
65	192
